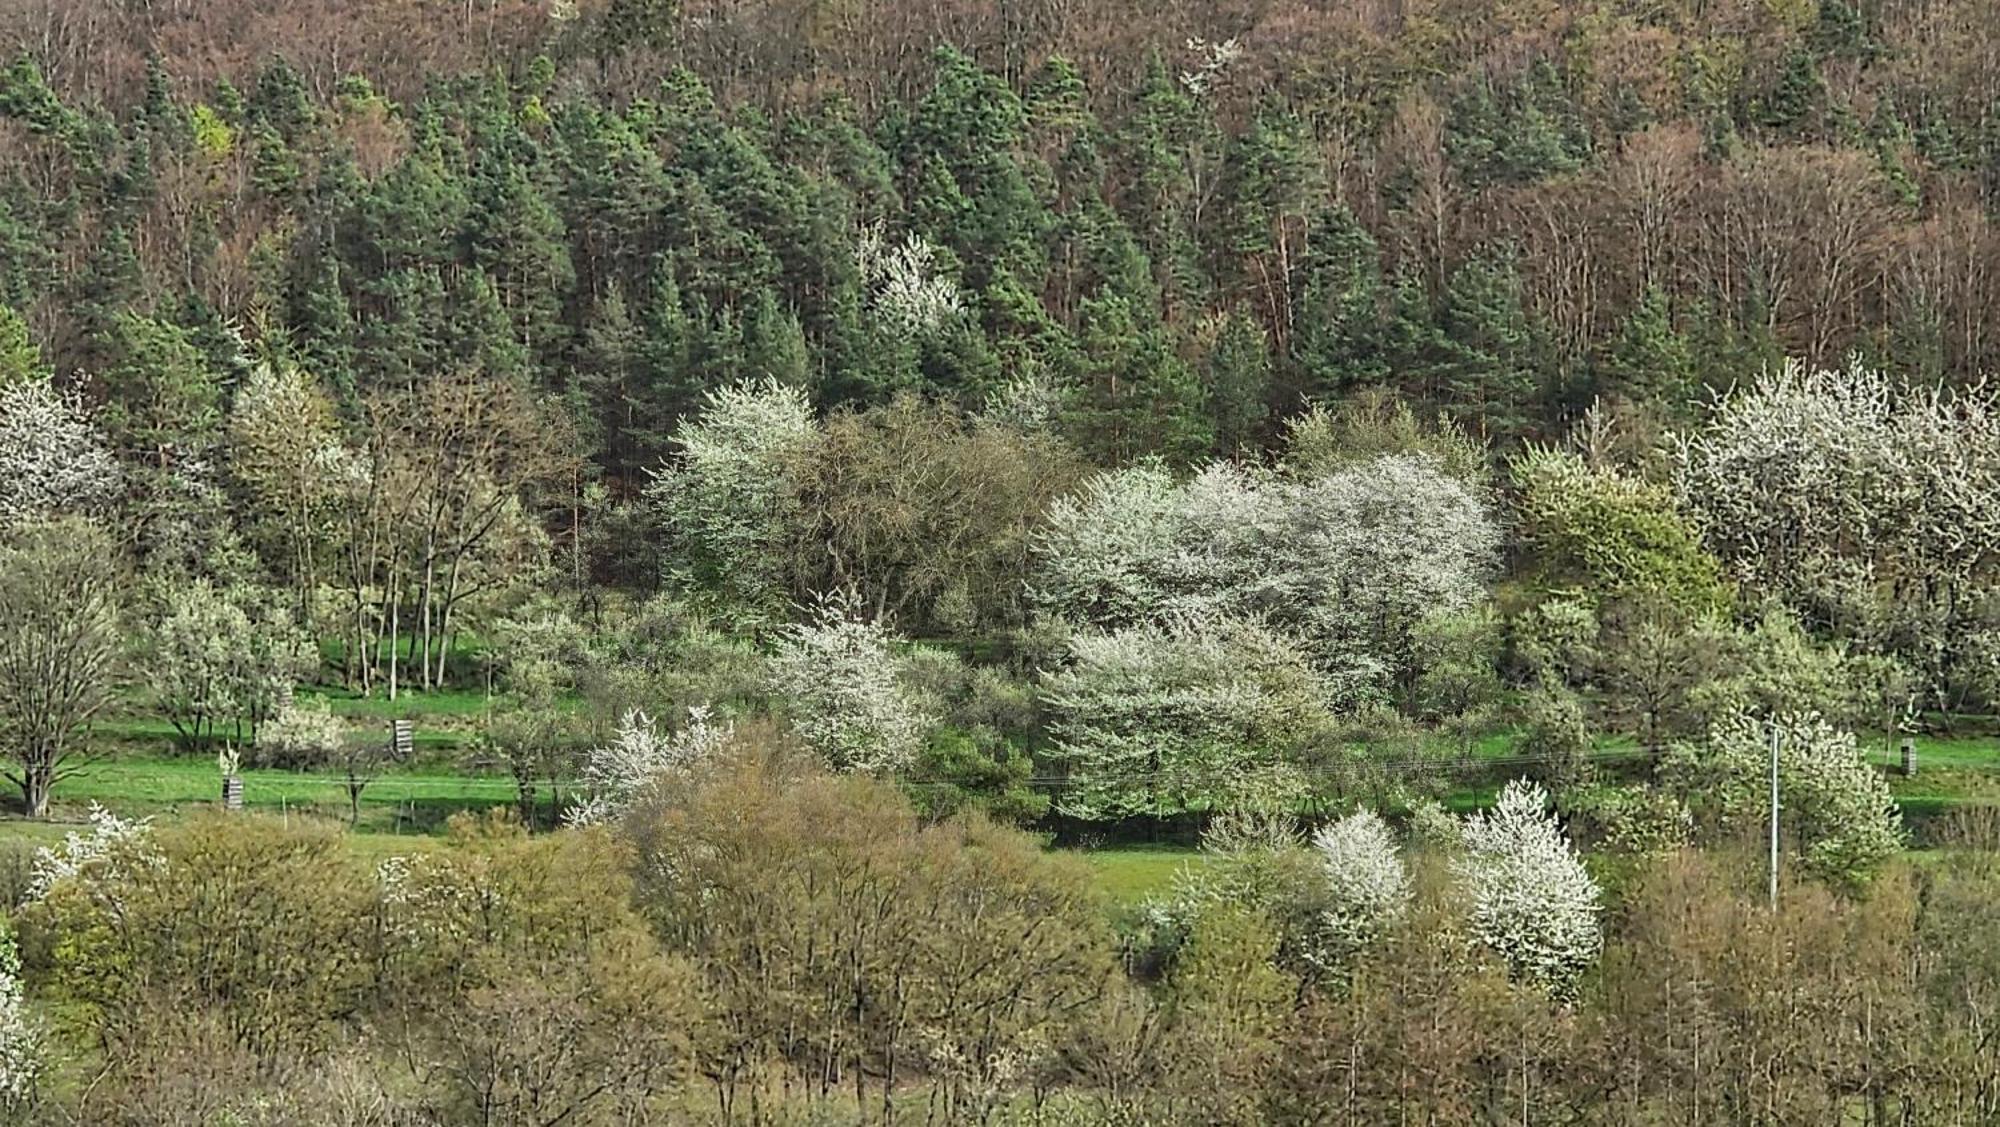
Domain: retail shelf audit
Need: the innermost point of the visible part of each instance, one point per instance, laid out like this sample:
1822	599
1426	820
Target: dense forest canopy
773	489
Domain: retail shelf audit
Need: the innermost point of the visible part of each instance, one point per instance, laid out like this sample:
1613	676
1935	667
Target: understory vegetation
622	561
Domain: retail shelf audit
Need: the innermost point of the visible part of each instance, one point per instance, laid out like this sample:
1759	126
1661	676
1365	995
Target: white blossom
639	754
1368	887
1835	806
53	458
726	501
1349	561
906	289
837	674
1215	59
1531	899
302	731
22	1059
1158	719
1859	502
108	844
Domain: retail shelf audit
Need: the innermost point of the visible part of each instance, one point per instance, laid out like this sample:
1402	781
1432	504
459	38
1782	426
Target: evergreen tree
1492	348
774	346
1337	340
479	333
1648	360
1239	384
520	242
1137	395
163	397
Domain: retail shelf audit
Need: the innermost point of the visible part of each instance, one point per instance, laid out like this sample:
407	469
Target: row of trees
747	938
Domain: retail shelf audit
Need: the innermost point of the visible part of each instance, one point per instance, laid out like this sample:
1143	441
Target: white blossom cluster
1028	401
426	899
302	730
724	500
1531	899
1859	501
838	674
1347	561
1159	718
53	458
21	1046
639	754
1215	59
110	843
276	415
1368	888
908	292
1835	805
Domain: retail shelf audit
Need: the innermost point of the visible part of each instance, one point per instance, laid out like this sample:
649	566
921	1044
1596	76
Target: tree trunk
37	779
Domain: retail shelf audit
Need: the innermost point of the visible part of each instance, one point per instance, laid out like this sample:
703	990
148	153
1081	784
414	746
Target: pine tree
1138	397
1490	362
1337	339
162	394
520	242
479	333
774	346
1648	360
323	324
609	368
1239	384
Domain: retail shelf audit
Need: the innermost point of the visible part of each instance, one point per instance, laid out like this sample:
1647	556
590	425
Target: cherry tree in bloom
1532	901
53	458
641	753
21	1055
726	501
907	290
1348	561
1367	886
838	674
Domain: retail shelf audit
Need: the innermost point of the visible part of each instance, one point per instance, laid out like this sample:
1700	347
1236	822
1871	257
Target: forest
1038	562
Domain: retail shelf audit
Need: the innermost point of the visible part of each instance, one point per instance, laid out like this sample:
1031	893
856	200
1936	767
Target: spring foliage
1531	899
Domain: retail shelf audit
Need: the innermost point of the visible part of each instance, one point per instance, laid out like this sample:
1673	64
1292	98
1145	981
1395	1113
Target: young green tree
60	605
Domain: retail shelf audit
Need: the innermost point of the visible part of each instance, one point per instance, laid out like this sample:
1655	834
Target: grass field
144	776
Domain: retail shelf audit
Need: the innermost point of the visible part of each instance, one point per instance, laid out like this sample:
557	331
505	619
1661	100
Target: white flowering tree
1860	503
1531	899
640	753
837	674
1368	887
303	733
53	458
1350	560
112	846
220	664
1161	719
1834	806
909	293
727	503
22	1059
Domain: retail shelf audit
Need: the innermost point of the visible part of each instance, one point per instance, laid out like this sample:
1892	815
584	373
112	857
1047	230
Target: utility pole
1774	816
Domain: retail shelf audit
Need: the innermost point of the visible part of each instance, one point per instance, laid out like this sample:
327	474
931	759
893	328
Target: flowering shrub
53	458
614	773
1532	901
1368	887
111	844
21	1045
837	674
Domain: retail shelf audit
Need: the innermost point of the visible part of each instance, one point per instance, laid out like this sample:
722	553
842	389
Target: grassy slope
400	807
